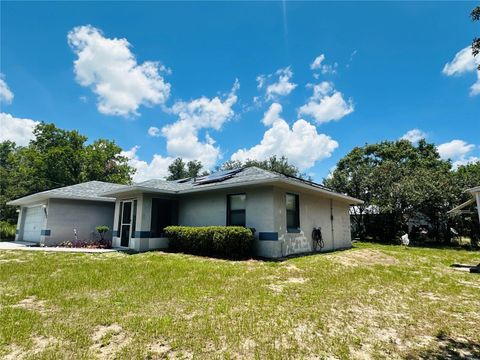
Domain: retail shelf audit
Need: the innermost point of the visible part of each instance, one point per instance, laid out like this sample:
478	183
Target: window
236	210
293	213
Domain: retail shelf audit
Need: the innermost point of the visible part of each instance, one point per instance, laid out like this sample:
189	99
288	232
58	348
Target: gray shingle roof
91	190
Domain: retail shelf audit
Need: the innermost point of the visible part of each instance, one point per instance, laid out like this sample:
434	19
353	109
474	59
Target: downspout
331	224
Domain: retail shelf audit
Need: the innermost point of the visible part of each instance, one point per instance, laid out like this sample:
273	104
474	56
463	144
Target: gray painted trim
116	233
45	232
142	234
268	236
17	231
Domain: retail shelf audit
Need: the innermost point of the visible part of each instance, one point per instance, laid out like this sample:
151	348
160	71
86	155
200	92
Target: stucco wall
205	209
65	215
315	211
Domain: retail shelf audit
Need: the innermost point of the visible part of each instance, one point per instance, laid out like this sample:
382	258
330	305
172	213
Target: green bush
7	230
224	241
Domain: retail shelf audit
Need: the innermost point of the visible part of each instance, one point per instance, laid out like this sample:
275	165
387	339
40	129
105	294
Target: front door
126	223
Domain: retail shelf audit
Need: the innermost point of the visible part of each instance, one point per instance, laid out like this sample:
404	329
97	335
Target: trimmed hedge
224	241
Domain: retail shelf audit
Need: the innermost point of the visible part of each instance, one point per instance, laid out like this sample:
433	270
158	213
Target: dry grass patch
364	257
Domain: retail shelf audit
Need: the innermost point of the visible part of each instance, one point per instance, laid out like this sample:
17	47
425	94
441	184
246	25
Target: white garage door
33	223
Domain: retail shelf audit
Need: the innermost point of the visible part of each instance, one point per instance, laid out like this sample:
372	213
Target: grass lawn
372	301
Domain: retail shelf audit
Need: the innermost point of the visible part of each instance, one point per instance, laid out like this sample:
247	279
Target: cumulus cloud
156	169
111	70
326	104
6	95
464	62
454	149
154	131
318	64
202	113
280	86
300	143
414	135
17	130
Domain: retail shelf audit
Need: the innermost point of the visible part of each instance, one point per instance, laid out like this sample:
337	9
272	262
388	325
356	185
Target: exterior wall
315	211
63	216
265	212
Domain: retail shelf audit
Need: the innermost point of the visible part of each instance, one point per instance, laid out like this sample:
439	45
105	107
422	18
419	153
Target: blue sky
222	80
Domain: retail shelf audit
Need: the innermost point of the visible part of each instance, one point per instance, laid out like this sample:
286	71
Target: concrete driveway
26	246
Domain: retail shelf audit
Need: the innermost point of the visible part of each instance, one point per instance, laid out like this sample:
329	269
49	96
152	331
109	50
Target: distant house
473	202
63	214
283	210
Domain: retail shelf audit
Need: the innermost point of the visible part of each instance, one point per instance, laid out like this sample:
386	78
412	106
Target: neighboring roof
238	177
474	190
461	206
90	190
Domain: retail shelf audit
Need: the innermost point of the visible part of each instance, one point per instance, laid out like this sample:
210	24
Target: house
282	209
65	214
474	200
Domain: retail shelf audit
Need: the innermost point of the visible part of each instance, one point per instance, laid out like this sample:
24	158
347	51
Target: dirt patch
108	340
40	344
162	350
279	286
363	258
32	303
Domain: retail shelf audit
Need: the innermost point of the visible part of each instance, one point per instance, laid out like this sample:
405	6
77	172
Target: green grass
371	301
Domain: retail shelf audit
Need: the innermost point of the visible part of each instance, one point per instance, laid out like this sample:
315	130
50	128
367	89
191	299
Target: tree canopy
274	163
475	15
56	158
401	181
178	169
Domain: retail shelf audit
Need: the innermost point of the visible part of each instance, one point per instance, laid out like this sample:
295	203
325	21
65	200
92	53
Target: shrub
224	241
7	230
102	230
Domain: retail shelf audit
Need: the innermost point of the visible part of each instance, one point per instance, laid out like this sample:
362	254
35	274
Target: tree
178	169
103	162
475	15
55	158
274	163
400	181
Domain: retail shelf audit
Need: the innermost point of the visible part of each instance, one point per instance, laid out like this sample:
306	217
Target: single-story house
474	200
282	209
65	214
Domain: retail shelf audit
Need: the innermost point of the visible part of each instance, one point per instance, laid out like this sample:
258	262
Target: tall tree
475	15
399	180
178	169
104	162
274	163
55	158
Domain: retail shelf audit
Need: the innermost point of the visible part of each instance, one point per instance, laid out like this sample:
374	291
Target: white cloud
464	62
282	86
154	131
326	104
111	70
464	161
156	169
455	149
203	113
17	130
414	135
6	95
318	64
301	143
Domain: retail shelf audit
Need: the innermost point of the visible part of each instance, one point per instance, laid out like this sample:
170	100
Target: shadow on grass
449	348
